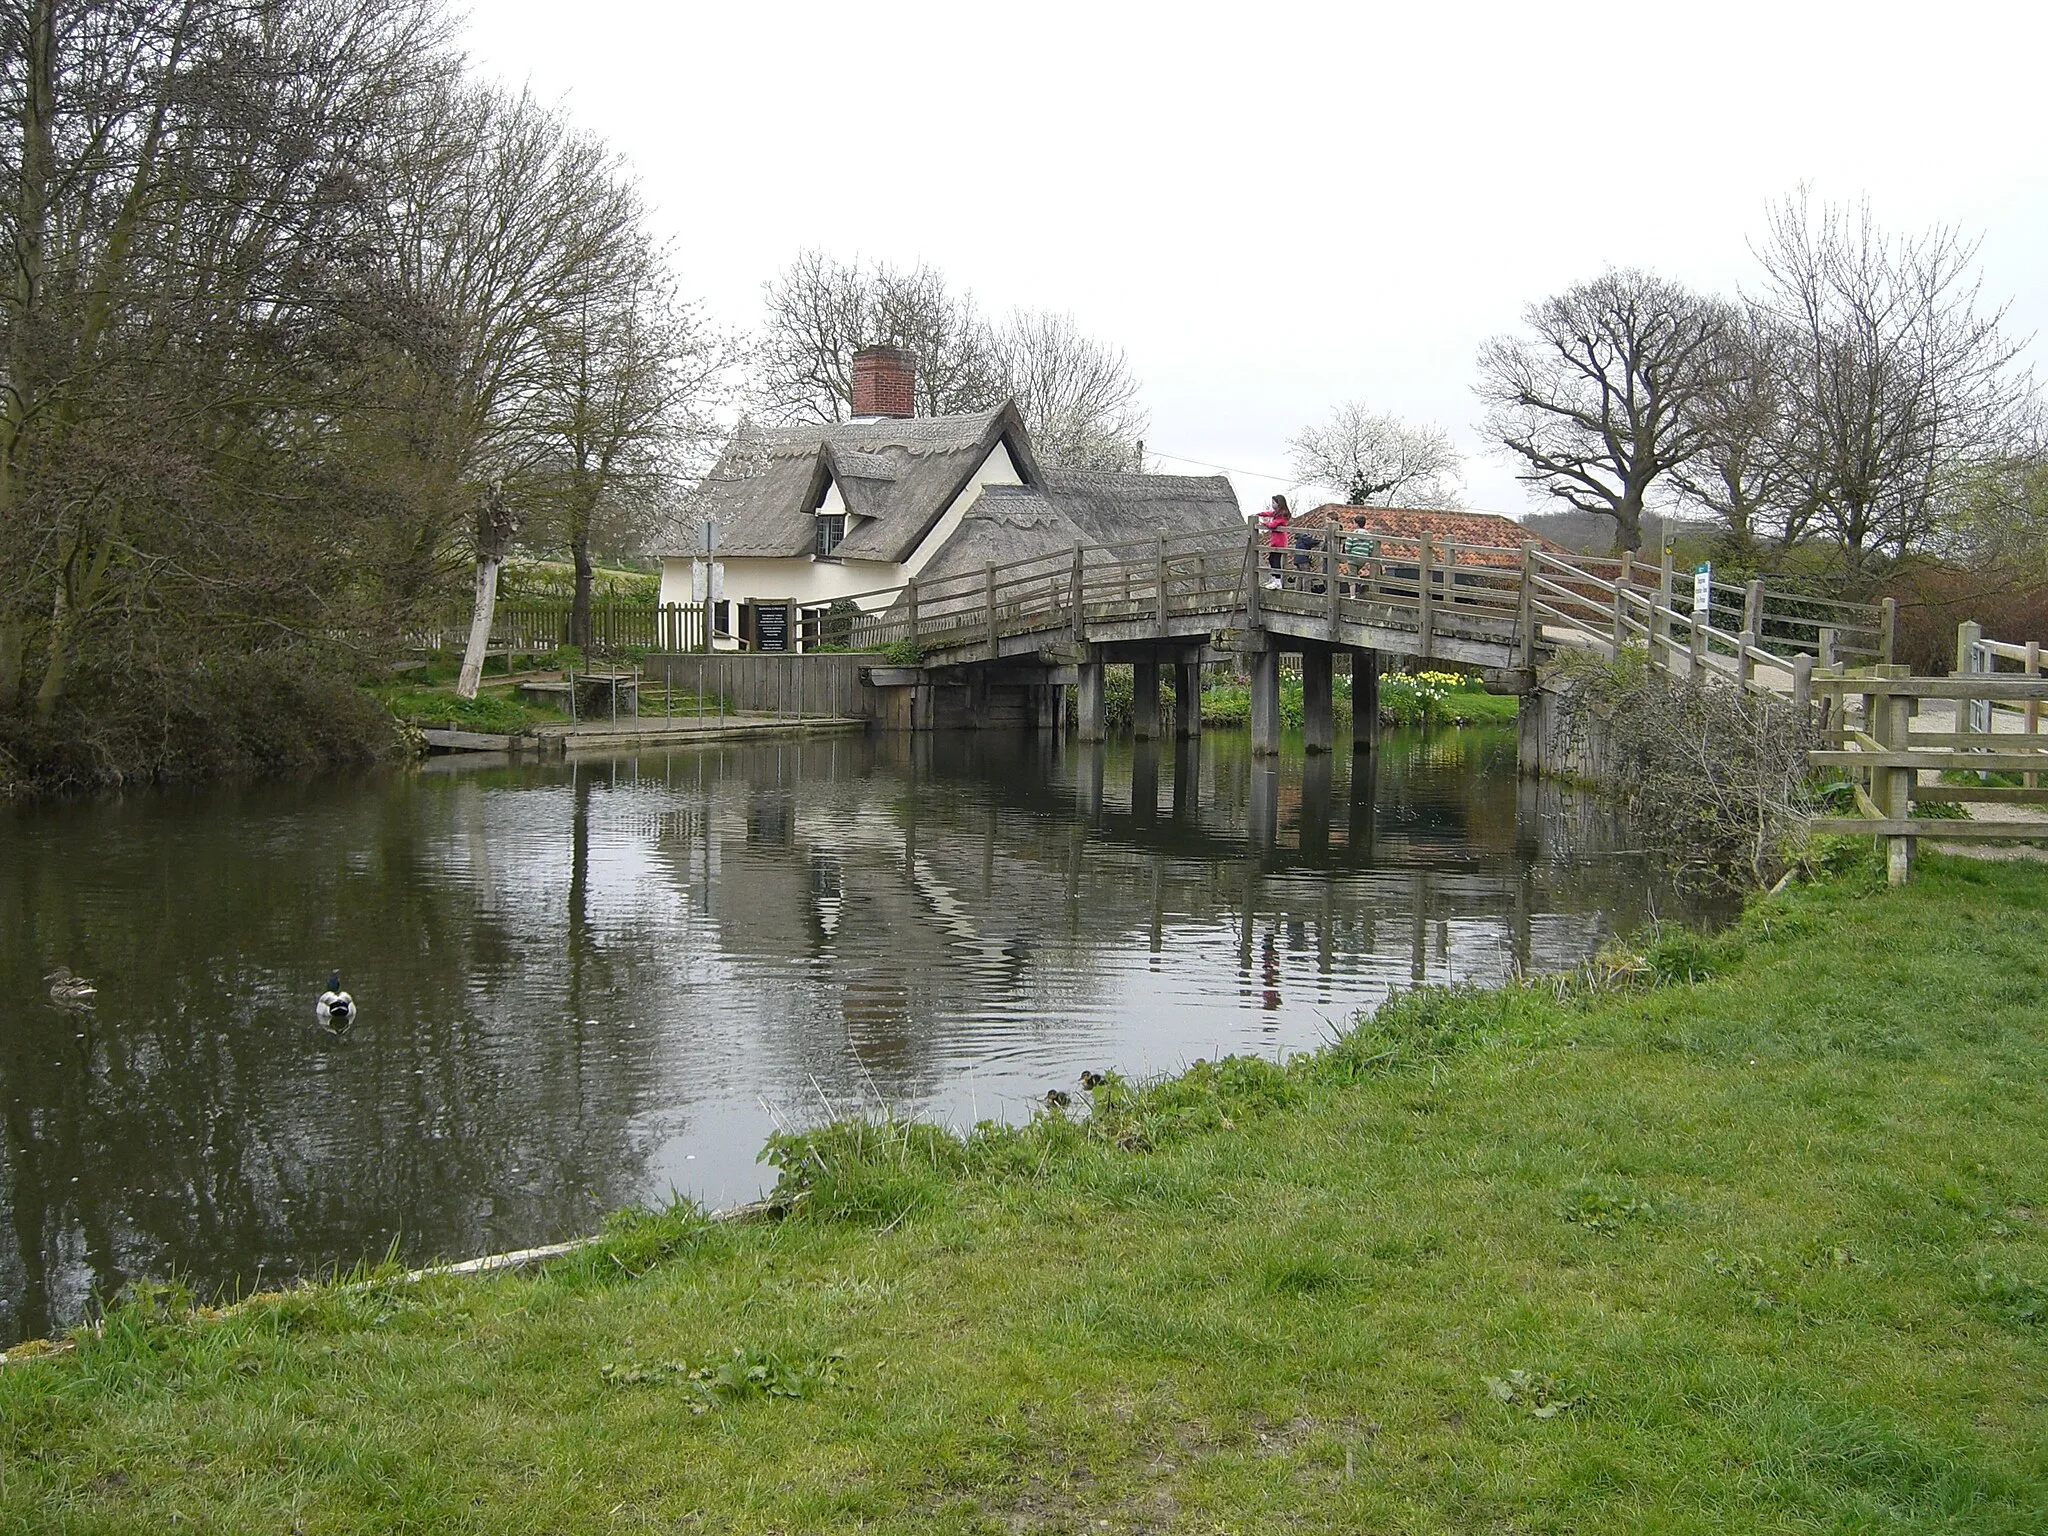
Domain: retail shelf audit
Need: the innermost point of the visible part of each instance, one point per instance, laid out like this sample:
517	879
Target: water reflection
592	983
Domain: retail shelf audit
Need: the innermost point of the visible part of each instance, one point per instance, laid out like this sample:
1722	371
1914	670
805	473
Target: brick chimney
884	380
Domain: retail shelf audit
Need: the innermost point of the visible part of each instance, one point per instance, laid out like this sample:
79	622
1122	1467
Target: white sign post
1703	592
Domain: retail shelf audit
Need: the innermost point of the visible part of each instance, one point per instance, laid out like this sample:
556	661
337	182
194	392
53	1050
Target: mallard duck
1093	1080
1057	1098
69	991
336	1009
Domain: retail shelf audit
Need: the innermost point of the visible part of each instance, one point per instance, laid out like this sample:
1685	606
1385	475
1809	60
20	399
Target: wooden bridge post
1660	619
1076	592
1330	591
1187	699
1088	702
1318	714
1144	700
1425	611
1365	702
910	611
1525	611
1254	576
988	605
1265	671
1159	585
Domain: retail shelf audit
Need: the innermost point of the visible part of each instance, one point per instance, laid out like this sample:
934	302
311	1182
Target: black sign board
771	629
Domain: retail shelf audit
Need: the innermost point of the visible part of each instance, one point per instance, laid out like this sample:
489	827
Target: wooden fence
530	628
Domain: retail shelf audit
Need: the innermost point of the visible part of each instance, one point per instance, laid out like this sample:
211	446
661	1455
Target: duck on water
336	1009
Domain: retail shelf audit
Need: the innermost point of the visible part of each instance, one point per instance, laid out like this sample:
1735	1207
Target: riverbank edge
917	1194
1658	956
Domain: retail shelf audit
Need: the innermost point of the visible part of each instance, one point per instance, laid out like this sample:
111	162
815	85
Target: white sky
1276	206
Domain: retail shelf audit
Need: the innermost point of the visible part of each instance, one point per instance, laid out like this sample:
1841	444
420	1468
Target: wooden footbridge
1003	644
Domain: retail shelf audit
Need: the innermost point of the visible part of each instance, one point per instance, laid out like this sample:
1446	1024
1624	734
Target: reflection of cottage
810	515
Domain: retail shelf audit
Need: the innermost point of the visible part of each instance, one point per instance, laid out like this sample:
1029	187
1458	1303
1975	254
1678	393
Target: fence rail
525	628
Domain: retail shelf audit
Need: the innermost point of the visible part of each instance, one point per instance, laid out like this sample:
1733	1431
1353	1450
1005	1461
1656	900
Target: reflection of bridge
1030	628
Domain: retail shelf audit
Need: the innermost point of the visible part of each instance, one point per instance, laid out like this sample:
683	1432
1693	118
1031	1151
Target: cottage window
831	529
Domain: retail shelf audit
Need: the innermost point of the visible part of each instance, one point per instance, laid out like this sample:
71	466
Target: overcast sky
1273	207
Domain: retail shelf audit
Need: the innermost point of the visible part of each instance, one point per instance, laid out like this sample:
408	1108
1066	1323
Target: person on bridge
1273	521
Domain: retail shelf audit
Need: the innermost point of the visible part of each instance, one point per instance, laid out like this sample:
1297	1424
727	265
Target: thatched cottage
810	515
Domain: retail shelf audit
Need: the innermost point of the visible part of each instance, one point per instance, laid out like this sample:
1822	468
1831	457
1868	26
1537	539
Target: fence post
2033	716
1744	642
1753	607
1425	614
1830	646
1620	616
1968	634
1898	800
1696	640
1888	633
1802	689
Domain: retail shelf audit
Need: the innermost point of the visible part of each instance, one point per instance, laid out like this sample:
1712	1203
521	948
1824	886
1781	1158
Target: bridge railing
1609	603
1164	575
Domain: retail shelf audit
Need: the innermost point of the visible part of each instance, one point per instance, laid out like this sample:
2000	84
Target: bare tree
1895	384
624	411
1599	401
820	311
190	187
1741	471
1077	395
1377	459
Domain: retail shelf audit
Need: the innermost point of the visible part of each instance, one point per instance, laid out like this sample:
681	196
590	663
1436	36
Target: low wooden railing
522	628
1883	760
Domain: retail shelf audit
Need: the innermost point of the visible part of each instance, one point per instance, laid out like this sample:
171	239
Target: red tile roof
1499	539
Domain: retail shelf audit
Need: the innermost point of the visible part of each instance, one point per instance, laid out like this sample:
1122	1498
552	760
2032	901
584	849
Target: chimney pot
884	382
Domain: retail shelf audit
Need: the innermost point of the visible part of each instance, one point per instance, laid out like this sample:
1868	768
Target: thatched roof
1089	507
897	477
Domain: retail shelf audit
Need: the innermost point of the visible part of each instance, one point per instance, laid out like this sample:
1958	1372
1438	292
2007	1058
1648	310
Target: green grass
1742	1234
495	709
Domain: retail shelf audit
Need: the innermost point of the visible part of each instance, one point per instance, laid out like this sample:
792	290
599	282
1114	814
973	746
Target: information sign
1703	589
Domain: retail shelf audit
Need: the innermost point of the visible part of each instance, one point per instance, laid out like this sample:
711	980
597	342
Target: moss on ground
1736	1233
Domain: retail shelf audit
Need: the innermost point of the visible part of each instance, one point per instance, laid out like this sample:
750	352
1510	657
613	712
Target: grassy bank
1744	1234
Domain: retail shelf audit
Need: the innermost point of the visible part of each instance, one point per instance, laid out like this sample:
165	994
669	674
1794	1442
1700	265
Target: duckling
1057	1098
69	991
336	1009
1093	1080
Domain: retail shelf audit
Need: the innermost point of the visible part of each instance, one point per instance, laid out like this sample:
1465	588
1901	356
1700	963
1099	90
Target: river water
594	983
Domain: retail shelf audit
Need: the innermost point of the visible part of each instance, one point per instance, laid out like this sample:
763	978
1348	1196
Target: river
594	983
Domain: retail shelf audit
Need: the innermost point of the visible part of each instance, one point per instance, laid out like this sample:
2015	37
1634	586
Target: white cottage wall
806	580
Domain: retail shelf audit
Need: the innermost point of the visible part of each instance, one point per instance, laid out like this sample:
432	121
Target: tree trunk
579	610
13	640
480	626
